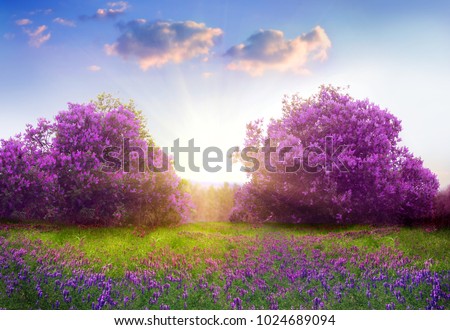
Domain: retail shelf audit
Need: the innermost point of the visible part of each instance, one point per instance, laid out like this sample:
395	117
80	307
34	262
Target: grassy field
224	265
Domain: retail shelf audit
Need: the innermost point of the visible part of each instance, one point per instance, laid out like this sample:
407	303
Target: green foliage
106	102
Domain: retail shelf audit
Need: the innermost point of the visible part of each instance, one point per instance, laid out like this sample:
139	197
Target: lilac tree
24	186
442	208
56	170
338	160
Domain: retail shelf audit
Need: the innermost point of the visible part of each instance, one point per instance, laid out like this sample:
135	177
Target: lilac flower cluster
377	179
55	171
264	273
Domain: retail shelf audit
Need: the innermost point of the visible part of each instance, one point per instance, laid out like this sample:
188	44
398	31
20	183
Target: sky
203	69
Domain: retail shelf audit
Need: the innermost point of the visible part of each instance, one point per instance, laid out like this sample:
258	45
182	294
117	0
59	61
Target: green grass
196	249
125	247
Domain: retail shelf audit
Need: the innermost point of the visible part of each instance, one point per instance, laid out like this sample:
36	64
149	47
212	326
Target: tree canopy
370	178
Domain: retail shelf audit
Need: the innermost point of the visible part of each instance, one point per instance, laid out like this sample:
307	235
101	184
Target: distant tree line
211	203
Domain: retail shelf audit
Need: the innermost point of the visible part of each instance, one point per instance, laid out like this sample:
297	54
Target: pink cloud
37	37
94	68
23	22
270	50
155	44
65	22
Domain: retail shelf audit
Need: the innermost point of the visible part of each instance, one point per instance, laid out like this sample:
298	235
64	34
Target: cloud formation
37	37
65	22
94	68
23	22
269	50
154	44
113	10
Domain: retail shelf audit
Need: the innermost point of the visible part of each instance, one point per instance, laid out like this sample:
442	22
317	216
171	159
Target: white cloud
113	9
269	50
94	68
157	43
65	22
23	22
141	20
37	37
117	7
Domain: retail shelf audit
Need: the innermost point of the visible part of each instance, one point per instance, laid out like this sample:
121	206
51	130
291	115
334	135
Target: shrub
373	179
442	208
56	170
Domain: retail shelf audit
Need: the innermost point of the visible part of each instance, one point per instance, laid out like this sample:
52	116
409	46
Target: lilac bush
374	178
442	207
26	187
55	170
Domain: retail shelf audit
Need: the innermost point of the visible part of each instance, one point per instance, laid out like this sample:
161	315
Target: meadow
223	266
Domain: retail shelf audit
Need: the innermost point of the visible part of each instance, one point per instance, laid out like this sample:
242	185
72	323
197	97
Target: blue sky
203	69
